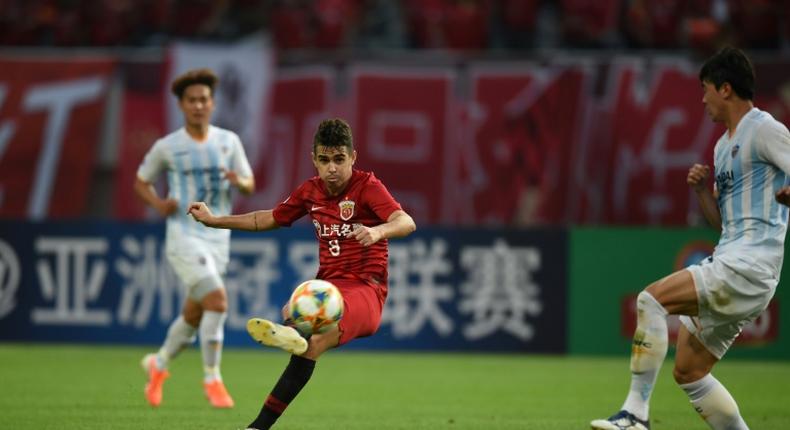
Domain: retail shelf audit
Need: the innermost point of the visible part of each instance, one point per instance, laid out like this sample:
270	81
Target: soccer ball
315	306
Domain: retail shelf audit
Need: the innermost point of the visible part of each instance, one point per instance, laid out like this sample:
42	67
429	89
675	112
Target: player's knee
218	306
687	375
192	316
647	302
209	294
644	297
215	301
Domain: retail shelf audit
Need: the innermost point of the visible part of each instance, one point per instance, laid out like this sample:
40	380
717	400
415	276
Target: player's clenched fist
783	196
698	176
166	207
201	213
365	235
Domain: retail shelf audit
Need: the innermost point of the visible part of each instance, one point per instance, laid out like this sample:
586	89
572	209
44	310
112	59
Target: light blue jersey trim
738	181
182	192
757	196
217	197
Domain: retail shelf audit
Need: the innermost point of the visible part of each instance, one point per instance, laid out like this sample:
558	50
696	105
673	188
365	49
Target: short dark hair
205	77
730	65
333	133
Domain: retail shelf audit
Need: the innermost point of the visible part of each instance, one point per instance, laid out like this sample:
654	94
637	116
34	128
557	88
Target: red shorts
362	306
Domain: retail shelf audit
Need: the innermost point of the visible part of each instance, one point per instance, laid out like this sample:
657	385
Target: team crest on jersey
346	209
735	150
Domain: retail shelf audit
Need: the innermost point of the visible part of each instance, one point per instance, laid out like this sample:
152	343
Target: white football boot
622	420
268	333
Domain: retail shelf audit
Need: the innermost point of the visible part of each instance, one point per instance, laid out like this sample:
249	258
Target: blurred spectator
196	18
381	25
518	22
27	22
68	29
335	22
243	17
290	23
702	25
590	23
112	22
654	23
465	24
786	16
674	24
756	23
424	19
453	24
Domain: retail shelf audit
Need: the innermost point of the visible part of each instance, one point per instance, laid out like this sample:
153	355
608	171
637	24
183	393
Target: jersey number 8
334	247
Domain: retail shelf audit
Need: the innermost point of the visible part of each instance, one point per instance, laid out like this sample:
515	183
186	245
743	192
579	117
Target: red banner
142	123
527	123
504	143
401	122
51	116
659	130
300	99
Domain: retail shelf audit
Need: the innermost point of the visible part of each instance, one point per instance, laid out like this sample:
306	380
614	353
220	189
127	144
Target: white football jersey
195	172
750	168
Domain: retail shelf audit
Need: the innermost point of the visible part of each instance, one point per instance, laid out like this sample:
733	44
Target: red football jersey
365	201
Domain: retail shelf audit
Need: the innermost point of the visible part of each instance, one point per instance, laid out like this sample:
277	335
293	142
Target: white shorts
199	265
730	296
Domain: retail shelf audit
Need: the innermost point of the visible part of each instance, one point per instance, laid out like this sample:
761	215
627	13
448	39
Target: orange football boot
156	378
217	394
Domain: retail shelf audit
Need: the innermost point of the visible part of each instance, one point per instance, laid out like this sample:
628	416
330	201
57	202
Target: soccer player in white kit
203	163
729	289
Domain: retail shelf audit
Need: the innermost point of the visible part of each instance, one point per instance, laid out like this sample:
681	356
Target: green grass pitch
100	387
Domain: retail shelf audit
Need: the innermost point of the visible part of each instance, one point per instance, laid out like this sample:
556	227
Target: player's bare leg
672	294
180	334
693	363
295	376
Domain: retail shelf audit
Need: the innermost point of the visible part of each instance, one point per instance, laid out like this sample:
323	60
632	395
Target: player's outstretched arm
698	181
399	224
251	221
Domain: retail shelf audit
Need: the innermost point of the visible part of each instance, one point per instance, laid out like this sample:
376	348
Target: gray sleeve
773	144
153	164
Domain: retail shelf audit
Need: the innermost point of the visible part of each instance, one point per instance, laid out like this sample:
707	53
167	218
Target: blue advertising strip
449	289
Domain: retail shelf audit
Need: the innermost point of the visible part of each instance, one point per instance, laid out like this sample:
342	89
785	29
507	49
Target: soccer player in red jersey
353	215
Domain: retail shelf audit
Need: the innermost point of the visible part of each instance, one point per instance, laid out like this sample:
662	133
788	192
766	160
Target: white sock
648	350
714	404
179	336
212	333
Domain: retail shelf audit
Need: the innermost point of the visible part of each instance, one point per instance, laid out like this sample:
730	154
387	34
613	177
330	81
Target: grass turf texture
101	387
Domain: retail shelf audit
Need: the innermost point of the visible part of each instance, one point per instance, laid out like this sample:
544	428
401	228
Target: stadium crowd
404	24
